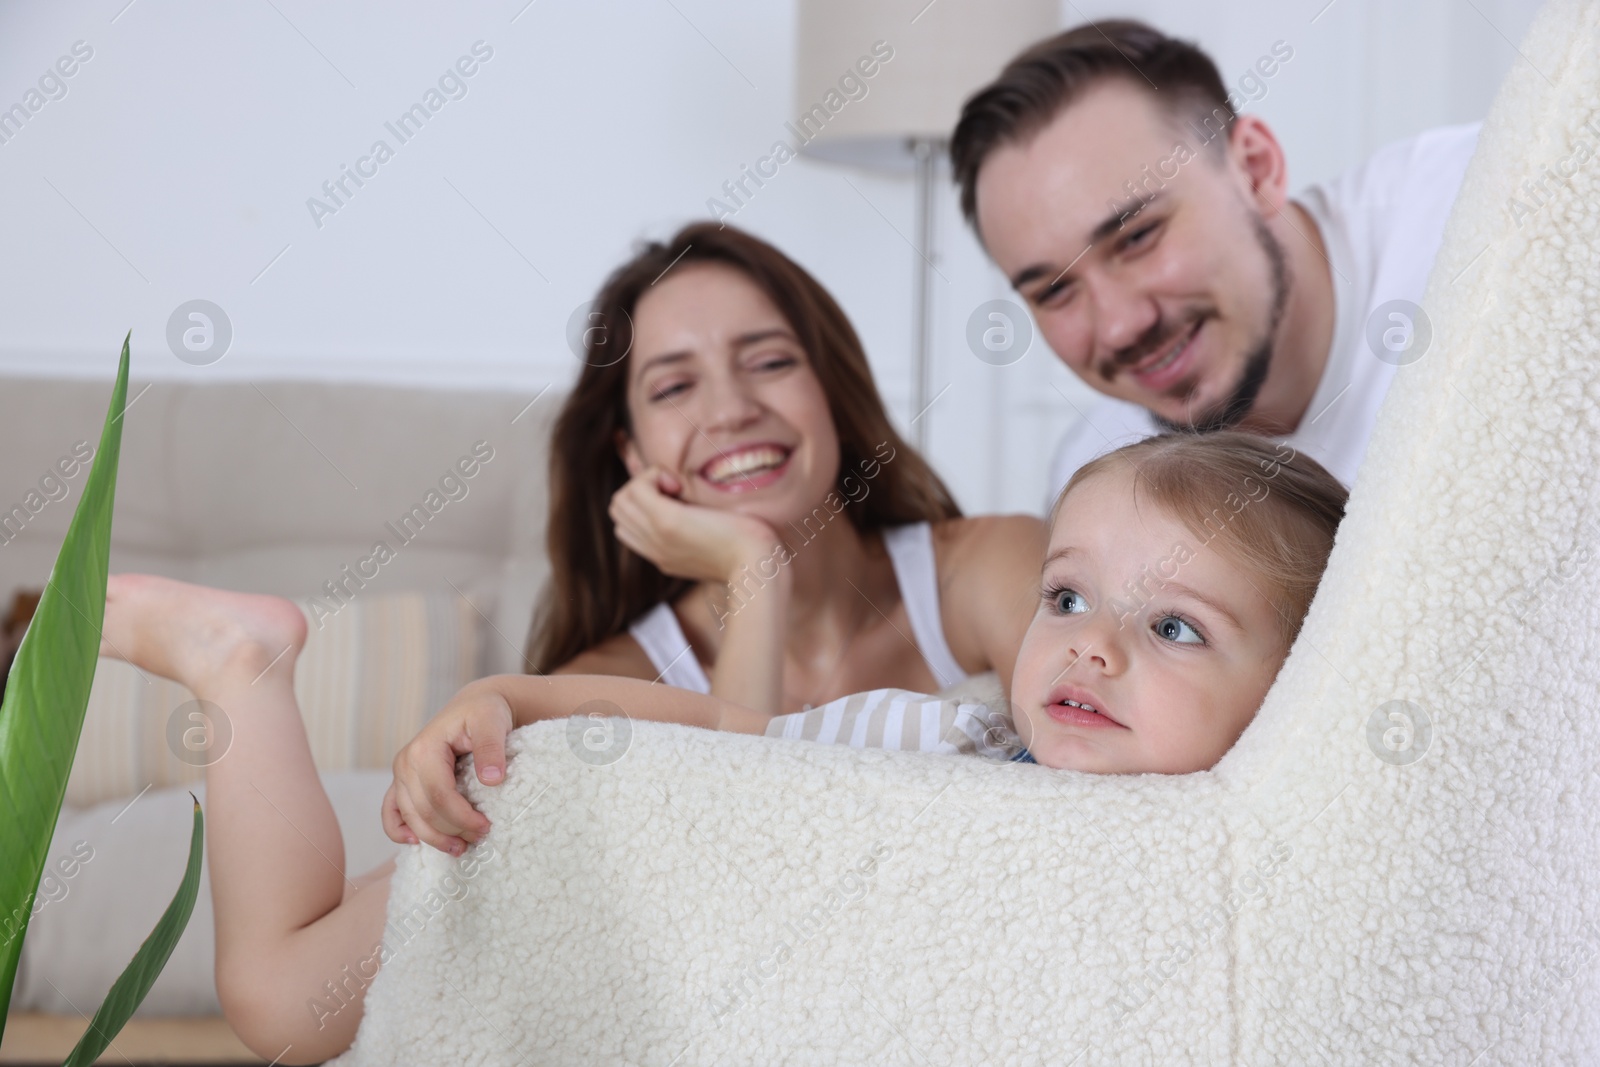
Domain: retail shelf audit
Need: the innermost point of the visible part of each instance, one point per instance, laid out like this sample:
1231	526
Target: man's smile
1163	368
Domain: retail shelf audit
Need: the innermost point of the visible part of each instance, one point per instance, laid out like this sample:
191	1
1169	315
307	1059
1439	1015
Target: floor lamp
925	59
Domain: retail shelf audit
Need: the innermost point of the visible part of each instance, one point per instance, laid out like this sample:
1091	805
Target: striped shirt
908	722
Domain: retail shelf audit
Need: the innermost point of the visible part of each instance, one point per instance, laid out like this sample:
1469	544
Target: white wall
178	165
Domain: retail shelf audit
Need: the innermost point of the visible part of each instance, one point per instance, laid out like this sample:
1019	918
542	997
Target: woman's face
1164	637
721	393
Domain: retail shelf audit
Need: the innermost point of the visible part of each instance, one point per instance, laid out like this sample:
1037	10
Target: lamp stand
926	152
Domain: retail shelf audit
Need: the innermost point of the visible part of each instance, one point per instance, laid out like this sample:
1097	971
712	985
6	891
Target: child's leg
288	920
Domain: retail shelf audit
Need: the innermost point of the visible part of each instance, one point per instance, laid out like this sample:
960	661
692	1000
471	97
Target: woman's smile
747	467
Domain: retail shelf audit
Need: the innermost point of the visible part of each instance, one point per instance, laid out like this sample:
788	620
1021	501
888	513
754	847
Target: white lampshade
942	52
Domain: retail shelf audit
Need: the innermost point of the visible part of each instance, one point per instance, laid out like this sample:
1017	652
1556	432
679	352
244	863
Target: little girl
1178	571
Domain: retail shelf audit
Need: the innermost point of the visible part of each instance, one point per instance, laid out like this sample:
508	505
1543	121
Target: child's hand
423	801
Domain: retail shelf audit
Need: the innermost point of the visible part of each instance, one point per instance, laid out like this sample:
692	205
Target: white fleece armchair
1397	863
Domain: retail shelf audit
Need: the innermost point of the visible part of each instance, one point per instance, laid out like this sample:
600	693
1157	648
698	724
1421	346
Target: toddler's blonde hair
1274	511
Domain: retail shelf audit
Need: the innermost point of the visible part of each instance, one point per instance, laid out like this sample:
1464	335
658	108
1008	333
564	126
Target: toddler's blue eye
1173	629
1065	599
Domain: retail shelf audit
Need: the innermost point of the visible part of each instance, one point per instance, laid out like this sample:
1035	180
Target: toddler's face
1165	638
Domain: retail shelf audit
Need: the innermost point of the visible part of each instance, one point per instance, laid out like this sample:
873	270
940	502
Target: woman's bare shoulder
619	655
997	538
988	586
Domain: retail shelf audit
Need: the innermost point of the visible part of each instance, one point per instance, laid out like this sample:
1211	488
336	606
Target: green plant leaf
129	990
47	691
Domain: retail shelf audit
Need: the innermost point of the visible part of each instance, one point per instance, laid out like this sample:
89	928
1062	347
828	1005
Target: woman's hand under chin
687	540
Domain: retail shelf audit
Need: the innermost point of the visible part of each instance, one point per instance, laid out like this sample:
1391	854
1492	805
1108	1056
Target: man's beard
1237	405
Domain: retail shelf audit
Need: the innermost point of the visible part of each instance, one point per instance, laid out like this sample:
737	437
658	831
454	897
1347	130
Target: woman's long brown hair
597	586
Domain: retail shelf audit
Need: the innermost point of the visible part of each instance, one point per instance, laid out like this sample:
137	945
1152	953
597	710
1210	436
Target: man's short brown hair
1038	83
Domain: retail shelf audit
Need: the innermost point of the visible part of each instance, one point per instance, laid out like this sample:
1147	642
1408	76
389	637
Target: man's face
1166	292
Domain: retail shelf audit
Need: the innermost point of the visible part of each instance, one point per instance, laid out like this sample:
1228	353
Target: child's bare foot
197	635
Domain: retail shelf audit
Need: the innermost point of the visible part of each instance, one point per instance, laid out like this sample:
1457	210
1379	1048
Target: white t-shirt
1381	222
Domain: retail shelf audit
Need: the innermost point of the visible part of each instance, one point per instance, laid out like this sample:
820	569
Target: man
1148	227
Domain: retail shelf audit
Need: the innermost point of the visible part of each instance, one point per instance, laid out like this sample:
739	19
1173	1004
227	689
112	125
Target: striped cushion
366	682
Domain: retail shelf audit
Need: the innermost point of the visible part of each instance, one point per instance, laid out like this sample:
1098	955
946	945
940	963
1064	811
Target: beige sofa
281	487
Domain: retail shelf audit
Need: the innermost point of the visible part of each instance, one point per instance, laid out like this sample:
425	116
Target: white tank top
910	552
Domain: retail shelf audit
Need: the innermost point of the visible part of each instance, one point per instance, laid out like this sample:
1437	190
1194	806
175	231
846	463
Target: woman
738	427
732	511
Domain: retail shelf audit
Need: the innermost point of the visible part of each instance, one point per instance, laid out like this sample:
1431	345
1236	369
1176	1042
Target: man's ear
629	453
1255	150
